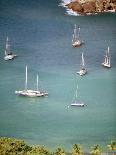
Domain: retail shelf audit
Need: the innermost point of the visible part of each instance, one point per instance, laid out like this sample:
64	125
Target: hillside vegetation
11	146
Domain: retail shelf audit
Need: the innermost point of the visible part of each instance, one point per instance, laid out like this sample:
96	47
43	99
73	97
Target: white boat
8	54
30	93
106	62
82	71
76	102
76	42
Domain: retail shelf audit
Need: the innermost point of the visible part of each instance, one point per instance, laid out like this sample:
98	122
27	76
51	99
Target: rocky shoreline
88	7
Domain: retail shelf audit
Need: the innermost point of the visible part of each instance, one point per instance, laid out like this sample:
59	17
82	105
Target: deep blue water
40	34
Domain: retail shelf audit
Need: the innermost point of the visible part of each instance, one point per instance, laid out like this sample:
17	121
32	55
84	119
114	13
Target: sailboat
76	42
28	92
77	102
8	54
106	62
82	71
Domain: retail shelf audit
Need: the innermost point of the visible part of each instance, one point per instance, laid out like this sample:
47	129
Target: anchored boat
8	53
76	42
82	71
76	102
106	62
28	92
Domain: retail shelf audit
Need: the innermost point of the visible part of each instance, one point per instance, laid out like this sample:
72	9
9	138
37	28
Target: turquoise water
40	34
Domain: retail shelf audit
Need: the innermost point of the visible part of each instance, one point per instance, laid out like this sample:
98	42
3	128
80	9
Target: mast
5	53
75	96
83	63
74	34
37	82
73	38
6	49
105	59
26	79
108	50
78	32
76	92
7	46
75	30
109	60
108	56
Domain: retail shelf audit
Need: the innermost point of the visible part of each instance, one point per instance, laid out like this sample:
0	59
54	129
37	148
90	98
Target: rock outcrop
92	6
75	6
89	7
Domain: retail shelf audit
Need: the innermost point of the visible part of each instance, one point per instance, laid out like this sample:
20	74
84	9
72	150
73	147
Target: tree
38	150
76	150
59	151
11	146
112	146
95	150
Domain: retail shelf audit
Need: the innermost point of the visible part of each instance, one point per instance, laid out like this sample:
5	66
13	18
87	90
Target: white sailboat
76	42
30	93
76	102
8	54
82	71
106	62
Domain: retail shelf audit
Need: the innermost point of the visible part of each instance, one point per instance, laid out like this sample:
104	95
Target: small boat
30	93
106	62
76	102
76	42
82	71
8	54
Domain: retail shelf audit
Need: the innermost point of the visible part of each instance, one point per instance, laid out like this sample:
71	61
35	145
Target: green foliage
10	146
112	146
59	151
76	150
95	150
38	150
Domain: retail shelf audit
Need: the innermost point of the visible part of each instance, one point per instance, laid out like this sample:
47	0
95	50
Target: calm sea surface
40	34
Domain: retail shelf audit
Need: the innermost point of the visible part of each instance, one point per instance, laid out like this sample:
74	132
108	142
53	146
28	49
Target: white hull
106	65
31	93
77	43
77	104
9	57
82	72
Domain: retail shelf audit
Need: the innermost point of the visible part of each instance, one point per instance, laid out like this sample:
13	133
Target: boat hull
82	72
106	65
9	57
78	104
76	44
31	93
